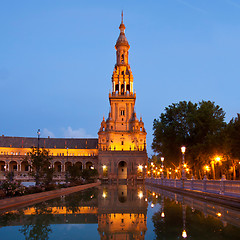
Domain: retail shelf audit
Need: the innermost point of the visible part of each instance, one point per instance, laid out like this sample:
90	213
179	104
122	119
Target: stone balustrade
223	186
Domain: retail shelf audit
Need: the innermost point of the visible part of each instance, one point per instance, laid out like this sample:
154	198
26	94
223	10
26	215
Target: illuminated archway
24	166
2	166
79	165
13	166
122	170
57	167
89	165
67	165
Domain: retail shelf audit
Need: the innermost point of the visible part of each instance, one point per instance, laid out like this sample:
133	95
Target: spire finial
122	16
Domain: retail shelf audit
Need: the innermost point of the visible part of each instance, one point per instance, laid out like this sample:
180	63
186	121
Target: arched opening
67	165
128	87
122	170
122	58
117	87
13	166
57	167
2	166
122	89
24	166
89	165
79	165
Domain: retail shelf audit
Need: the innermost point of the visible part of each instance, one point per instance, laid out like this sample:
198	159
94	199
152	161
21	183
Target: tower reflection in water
122	212
119	210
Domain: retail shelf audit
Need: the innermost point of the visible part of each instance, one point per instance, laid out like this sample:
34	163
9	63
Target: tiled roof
28	142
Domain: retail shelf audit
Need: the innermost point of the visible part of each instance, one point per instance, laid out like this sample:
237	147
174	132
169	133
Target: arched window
122	88
122	58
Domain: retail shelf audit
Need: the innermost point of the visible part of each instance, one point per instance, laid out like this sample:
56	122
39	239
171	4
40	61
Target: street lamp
66	169
162	160
38	133
183	150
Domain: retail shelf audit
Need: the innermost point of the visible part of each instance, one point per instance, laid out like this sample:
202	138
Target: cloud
192	6
233	3
46	133
78	133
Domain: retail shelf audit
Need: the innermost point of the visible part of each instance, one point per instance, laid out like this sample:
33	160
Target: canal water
122	212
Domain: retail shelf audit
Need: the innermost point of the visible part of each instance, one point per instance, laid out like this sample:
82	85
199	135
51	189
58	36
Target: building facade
118	153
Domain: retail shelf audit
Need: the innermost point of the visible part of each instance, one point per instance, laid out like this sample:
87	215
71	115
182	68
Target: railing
223	186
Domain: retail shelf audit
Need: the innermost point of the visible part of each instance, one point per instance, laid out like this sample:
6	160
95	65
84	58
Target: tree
40	165
232	143
74	173
197	126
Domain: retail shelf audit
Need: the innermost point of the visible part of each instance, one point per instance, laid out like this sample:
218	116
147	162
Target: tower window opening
122	143
128	87
122	112
122	88
122	72
122	58
117	87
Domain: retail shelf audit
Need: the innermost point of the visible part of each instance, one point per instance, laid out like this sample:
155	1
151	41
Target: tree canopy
198	126
41	168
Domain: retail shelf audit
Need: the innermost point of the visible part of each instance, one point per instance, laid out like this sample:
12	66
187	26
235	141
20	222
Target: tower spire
122	16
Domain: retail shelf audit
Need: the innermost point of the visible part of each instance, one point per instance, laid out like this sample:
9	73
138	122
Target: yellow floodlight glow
207	168
140	194
145	199
152	205
217	159
176	170
104	195
219	214
162	214
104	167
152	163
185	165
140	167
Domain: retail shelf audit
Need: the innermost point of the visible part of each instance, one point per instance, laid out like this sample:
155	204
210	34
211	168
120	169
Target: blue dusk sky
57	59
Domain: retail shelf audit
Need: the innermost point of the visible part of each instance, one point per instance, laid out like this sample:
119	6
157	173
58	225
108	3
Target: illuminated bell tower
122	131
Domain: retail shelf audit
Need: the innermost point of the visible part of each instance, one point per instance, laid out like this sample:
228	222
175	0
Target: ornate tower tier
122	131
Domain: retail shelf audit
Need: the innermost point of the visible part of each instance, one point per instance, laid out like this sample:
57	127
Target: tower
122	133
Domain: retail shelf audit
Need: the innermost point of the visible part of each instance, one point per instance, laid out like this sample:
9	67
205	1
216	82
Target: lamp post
66	171
38	133
162	160
183	150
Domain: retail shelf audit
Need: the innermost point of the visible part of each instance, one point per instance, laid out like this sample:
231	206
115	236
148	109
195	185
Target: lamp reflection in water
184	232
162	207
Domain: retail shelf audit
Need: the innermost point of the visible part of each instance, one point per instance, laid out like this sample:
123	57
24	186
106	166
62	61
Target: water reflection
184	217
120	212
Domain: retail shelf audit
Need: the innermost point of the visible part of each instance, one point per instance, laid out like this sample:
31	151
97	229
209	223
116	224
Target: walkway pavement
23	201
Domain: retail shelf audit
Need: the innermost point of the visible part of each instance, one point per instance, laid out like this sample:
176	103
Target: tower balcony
122	95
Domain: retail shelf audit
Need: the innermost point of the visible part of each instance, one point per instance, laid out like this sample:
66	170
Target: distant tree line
201	127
